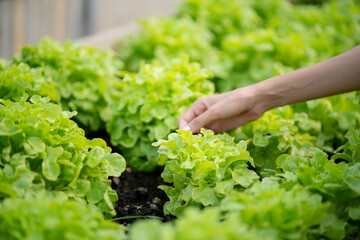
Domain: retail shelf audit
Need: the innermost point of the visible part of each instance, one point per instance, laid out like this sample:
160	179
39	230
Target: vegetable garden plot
43	149
148	104
292	174
84	77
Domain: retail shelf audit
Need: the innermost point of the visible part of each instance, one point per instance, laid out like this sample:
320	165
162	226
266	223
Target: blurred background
94	22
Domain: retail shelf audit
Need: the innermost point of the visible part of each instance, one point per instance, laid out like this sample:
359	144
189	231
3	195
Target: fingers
210	115
214	108
199	107
222	112
225	108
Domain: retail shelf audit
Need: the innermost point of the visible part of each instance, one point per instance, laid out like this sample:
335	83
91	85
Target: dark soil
137	191
139	196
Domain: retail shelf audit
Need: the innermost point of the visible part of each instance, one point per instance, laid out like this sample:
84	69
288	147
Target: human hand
223	112
226	111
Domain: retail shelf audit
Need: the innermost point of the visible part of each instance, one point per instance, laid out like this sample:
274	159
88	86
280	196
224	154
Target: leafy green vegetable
50	170
264	211
338	183
334	114
244	42
200	225
351	149
42	216
224	17
260	38
276	133
148	105
166	38
18	81
203	168
41	148
84	76
295	129
291	214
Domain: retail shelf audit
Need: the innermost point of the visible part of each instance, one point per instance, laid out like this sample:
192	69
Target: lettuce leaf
203	168
41	148
84	77
148	104
42	215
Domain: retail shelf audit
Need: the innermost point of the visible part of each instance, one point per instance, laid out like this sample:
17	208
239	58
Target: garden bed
139	196
292	174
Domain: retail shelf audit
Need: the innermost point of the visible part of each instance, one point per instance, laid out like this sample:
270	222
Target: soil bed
139	196
137	191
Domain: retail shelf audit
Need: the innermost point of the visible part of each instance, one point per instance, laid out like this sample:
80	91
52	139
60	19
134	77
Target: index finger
195	110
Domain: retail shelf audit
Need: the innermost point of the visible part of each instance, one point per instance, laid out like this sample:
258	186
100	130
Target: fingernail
186	128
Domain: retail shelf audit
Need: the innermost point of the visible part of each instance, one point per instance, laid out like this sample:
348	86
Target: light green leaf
96	193
116	164
6	190
244	177
50	166
95	156
205	195
37	144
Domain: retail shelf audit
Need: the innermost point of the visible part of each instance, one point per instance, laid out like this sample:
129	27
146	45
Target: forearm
226	111
336	75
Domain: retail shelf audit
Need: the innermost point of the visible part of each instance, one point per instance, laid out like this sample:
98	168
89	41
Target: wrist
266	95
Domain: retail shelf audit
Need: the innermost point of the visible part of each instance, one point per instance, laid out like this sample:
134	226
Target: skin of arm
223	112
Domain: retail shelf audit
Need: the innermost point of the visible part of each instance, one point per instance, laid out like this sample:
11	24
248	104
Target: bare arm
226	111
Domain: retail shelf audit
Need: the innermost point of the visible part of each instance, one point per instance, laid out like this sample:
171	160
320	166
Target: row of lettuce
48	165
303	197
244	42
270	179
53	180
292	174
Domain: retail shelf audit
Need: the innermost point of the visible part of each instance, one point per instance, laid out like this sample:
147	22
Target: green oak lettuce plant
84	77
42	215
41	148
148	104
350	151
261	54
200	225
276	133
266	39
244	42
226	17
18	81
285	213
337	183
266	210
203	168
295	129
166	38
334	115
